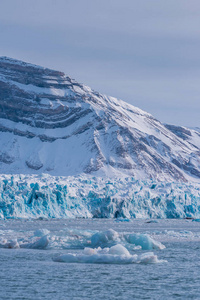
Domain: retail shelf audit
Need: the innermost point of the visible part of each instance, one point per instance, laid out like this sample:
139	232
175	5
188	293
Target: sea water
99	259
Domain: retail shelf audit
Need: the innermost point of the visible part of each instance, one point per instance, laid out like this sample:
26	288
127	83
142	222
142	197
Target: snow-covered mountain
49	123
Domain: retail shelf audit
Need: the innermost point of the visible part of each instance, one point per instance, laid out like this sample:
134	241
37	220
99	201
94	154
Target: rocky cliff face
50	123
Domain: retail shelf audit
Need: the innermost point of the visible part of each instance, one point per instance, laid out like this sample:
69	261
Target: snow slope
49	123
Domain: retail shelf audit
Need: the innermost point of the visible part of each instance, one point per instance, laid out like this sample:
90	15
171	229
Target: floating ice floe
40	243
117	254
144	241
152	221
111	237
10	244
79	239
109	247
105	238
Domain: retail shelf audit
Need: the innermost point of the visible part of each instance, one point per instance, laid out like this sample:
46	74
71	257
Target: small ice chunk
152	221
143	240
41	243
149	258
89	251
102	239
13	244
119	250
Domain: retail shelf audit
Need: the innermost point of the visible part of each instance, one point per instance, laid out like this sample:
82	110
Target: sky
144	52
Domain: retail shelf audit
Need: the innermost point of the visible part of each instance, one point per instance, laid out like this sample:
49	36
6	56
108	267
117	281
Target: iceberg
13	244
117	254
80	239
41	243
110	238
144	241
104	238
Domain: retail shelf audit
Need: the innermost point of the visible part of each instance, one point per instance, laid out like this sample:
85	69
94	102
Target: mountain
49	123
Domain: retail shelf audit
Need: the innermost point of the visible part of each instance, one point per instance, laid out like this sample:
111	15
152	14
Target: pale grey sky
144	52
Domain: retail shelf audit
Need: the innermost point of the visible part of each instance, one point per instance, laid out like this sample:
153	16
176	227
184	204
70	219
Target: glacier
84	196
67	151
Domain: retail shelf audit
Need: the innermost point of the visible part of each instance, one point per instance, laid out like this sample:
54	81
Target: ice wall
33	196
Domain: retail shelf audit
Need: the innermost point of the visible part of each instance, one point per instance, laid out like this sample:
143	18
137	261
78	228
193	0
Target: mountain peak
15	64
51	123
13	61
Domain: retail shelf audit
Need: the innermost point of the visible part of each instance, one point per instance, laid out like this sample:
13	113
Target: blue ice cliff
25	196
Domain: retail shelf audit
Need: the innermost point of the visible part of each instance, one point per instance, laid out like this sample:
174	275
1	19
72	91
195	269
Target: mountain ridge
52	124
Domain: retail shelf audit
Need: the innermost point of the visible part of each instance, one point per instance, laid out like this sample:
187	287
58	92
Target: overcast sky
146	52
